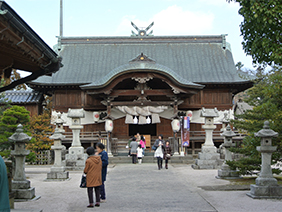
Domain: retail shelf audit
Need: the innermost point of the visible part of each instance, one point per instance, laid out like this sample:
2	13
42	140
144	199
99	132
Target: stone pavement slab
133	187
145	188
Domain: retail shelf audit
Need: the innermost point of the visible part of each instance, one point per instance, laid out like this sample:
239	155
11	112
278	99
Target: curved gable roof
188	59
140	67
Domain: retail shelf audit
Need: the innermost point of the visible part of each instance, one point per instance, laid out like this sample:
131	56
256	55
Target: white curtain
142	113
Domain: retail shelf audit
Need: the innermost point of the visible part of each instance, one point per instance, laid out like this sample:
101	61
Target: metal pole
61	18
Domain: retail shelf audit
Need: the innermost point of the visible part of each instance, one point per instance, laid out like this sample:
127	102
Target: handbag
83	181
168	156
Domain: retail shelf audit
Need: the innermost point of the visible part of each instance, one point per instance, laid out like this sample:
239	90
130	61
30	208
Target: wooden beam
156	92
143	103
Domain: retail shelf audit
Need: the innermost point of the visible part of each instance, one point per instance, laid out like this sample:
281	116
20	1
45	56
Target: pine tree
9	121
266	98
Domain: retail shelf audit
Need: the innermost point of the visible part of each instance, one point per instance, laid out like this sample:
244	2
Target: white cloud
124	26
172	21
219	3
175	21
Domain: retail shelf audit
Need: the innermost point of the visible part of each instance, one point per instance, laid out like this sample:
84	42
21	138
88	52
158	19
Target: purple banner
185	131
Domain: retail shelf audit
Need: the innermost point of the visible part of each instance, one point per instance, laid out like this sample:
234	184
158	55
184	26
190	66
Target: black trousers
134	156
102	191
166	161
90	194
160	162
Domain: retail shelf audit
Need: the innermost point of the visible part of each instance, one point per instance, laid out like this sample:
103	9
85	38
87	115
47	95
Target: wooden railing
216	134
199	137
95	135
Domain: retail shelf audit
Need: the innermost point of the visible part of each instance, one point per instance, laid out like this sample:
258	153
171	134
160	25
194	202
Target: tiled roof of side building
187	59
22	97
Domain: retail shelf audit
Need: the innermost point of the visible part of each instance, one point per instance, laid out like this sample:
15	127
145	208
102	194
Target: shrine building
142	81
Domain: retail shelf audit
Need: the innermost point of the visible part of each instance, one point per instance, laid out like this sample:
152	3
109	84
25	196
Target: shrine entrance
146	129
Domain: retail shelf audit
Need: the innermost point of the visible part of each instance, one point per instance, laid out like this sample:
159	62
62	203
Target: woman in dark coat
159	153
104	157
167	153
93	169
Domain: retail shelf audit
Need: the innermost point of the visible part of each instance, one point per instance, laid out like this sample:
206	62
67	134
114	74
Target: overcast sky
113	17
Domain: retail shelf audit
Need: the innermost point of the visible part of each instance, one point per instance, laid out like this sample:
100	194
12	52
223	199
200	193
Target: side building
32	100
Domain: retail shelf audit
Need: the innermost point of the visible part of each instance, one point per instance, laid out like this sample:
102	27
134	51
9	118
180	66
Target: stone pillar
175	144
58	170
109	128
266	186
175	125
225	172
75	159
208	158
20	185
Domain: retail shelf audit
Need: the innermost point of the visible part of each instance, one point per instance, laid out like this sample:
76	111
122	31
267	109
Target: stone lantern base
226	173
76	158
207	159
265	192
57	174
23	191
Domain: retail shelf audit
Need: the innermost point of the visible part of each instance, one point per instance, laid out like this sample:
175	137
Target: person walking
167	153
133	150
104	157
139	154
143	144
138	137
159	153
93	169
128	146
4	187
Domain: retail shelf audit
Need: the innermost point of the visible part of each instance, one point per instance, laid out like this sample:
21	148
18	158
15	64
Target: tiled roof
22	97
186	59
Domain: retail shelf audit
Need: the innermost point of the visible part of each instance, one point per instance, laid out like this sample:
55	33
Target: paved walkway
133	187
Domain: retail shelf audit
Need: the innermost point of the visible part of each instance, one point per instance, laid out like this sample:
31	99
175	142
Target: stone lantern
75	159
59	123
58	170
266	186
208	157
20	185
225	172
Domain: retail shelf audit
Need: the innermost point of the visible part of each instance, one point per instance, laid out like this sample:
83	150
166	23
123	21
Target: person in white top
159	153
139	154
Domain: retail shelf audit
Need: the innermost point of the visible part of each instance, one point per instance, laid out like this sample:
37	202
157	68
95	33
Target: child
139	154
167	153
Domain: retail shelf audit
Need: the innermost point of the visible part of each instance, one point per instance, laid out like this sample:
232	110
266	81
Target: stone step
125	153
151	159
